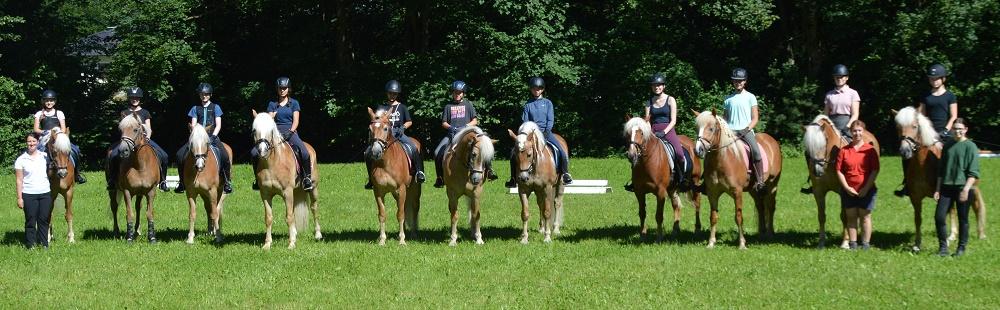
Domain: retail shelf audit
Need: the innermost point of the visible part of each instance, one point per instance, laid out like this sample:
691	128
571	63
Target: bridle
534	159
708	144
131	142
470	160
53	162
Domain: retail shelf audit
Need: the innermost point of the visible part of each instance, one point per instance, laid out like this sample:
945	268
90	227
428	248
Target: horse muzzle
476	178
62	173
200	164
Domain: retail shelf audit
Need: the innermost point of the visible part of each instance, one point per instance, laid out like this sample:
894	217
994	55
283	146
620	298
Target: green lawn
598	261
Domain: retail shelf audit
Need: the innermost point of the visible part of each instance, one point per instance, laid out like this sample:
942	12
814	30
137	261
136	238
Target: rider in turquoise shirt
741	114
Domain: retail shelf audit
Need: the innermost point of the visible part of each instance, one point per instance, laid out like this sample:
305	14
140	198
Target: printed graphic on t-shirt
394	117
458	112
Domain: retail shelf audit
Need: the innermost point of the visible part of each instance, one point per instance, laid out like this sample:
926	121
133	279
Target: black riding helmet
393	86
936	71
536	82
204	88
657	79
283	82
840	70
739	74
134	92
458	85
48	94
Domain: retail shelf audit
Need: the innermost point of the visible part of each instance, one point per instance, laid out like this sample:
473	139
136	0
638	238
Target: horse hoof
218	239
952	238
845	245
152	241
547	240
743	248
981	237
480	242
318	236
915	249
452	243
524	240
710	246
291	246
267	246
73	240
189	241
402	242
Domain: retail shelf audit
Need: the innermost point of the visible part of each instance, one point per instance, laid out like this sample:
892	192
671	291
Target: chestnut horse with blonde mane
651	175
390	173
919	148
823	142
62	174
202	180
465	163
277	176
537	174
726	172
138	177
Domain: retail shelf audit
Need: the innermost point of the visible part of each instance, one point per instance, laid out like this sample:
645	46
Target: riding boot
254	186
511	183
150	231
180	176
307	182
679	180
368	168
490	174
77	162
758	171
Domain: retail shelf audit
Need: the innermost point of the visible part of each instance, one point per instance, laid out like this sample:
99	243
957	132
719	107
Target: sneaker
490	175
80	179
254	186
853	245
163	186
369	185
629	187
510	183
307	184
567	179
865	246
227	188
959	252
943	251
439	183
420	177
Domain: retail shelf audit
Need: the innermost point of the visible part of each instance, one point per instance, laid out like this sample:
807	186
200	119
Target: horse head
379	132
59	148
480	152
817	143
710	129
133	135
915	131
530	145
265	134
199	142
637	131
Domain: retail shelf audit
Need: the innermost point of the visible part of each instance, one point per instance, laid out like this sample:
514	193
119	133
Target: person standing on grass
32	184
957	173
857	168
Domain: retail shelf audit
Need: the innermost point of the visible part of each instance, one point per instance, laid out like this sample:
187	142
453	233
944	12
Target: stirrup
307	183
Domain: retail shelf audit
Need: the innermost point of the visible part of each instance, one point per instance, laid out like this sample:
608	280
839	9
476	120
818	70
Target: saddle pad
688	165
746	157
556	156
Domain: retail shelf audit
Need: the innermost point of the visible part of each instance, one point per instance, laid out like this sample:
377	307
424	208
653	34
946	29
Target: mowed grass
598	261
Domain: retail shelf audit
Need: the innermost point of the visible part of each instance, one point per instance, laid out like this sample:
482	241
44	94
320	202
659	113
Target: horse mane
199	137
265	128
925	129
727	137
61	143
531	128
486	145
814	139
643	126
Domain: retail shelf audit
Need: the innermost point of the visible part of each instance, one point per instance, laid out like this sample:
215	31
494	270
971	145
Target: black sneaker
943	251
179	189
865	246
439	183
307	184
254	186
567	179
369	185
227	188
629	187
163	186
420	177
510	183
80	179
959	252
490	175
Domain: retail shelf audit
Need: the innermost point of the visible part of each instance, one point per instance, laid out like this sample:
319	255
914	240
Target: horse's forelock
532	129
703	119
199	138
486	147
906	116
463	132
265	128
814	140
641	124
128	122
61	143
925	129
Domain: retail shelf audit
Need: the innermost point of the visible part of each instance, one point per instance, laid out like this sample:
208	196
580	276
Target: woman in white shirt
33	193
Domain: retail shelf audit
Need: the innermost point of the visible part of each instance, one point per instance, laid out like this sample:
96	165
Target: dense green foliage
595	56
598	261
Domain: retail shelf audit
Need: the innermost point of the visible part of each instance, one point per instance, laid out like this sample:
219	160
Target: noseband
471	159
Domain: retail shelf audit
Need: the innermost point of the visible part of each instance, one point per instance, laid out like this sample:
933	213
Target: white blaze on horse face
262	149
199	163
521	140
699	148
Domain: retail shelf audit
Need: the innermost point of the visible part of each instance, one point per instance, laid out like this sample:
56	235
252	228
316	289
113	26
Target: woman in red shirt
857	168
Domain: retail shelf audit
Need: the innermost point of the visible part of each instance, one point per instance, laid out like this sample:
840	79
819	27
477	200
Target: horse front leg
821	214
713	201
150	226
979	207
545	204
738	201
953	220
845	241
268	220
288	195
130	228
675	203
380	203
68	197
660	202
641	198
916	222
474	216
401	213
524	217
453	208
695	198
192	214
215	216
314	206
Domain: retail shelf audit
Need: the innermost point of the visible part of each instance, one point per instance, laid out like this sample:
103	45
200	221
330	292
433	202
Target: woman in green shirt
957	173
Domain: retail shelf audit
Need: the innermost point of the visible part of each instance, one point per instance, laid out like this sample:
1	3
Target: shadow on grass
437	235
13	238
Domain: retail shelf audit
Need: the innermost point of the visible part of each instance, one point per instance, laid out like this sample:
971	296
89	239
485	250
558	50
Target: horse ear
695	112
371	114
494	141
253	112
628	117
713	112
894	112
512	135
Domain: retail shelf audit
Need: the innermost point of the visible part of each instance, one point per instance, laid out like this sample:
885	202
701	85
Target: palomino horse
276	175
62	174
138	177
537	174
822	143
726	165
202	180
465	165
390	173
918	146
651	175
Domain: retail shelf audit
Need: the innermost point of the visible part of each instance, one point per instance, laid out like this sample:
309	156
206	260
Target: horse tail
302	201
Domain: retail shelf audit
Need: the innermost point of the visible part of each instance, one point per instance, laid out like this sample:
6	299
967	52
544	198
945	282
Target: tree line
594	55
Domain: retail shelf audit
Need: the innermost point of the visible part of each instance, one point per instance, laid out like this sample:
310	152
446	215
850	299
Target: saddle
556	156
765	163
688	164
409	151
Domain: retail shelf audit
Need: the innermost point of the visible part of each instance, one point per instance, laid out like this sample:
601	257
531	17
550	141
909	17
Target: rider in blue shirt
285	111
208	114
540	110
399	121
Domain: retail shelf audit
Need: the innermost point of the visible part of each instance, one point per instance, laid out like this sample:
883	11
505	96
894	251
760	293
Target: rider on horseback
540	110
135	95
458	113
399	121
741	115
661	111
842	103
285	111
46	119
209	115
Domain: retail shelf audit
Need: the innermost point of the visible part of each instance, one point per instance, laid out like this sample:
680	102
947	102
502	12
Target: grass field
598	261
